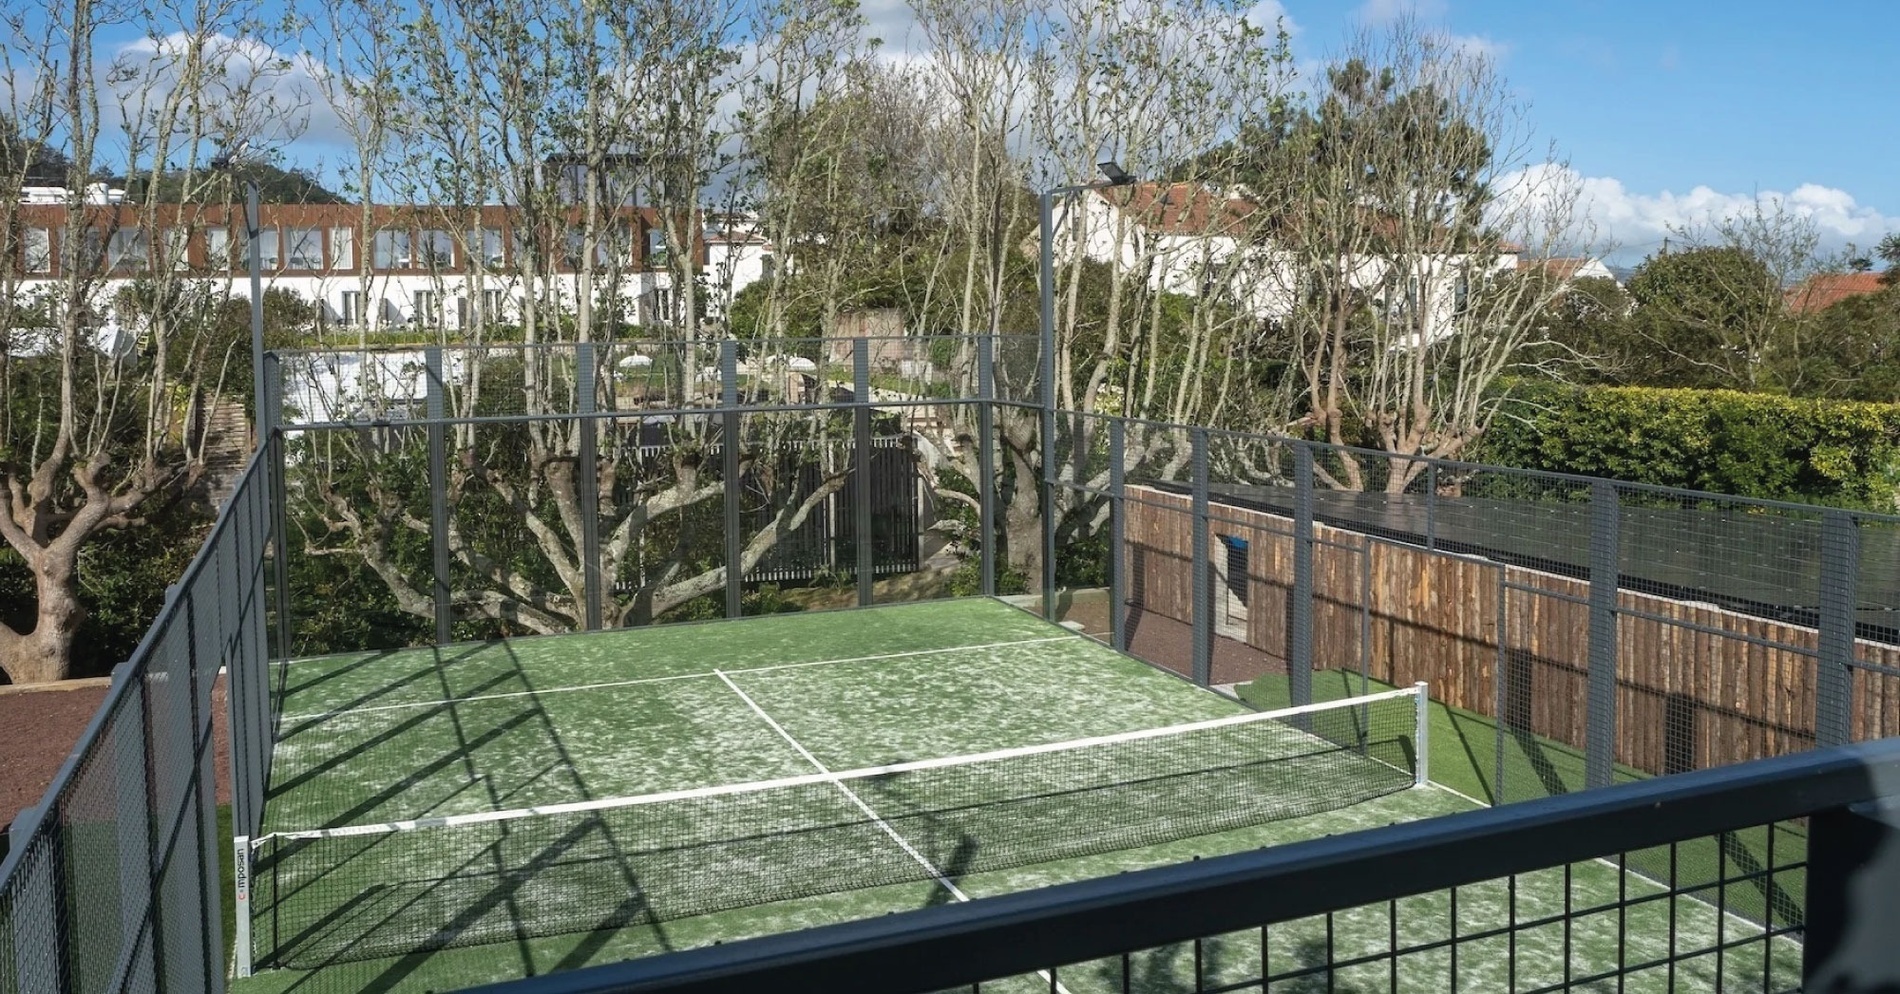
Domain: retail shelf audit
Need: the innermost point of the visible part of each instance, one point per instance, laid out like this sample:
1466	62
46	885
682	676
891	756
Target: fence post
729	430
438	494
986	459
861	491
1605	575
1840	573
587	384
1431	505
1300	629
1852	900
1117	527
1203	608
280	517
1501	687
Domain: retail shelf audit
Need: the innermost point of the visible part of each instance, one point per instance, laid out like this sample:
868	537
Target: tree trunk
45	654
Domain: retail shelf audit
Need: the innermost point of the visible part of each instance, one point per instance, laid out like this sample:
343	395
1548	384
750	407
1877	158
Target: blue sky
1675	108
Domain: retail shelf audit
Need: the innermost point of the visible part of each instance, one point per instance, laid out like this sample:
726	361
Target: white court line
852	796
318	715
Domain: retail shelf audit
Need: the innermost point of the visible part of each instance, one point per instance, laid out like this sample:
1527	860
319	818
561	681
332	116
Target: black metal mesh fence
111	884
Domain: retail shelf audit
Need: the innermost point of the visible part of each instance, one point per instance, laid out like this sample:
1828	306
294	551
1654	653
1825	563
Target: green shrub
1837	453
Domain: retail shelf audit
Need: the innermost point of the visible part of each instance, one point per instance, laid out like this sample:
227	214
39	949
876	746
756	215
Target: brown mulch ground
40	725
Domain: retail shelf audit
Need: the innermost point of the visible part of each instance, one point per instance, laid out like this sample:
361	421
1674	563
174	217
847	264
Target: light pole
1114	175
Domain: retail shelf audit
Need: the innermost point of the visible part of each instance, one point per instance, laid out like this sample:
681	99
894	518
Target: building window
768	265
128	249
660	306
349	308
656	249
494	302
218	249
38	250
428	307
394	250
484	247
269	250
343	249
303	248
438	249
177	247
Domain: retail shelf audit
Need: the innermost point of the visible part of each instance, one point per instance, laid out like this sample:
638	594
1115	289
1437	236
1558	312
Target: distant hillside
275	186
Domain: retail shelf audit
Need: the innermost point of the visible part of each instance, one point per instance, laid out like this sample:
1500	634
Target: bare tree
109	356
1400	248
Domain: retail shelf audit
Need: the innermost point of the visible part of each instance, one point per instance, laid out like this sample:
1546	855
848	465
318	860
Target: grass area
1464	751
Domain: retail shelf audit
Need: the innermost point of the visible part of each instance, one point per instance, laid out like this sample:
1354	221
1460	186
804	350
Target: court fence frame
1562	634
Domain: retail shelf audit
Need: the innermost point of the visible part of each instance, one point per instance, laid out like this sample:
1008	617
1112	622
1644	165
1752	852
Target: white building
1195	240
376	269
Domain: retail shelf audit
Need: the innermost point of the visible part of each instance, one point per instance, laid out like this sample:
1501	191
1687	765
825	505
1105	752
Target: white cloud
280	94
1632	224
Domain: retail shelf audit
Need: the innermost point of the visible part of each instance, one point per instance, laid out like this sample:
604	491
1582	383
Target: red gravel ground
40	725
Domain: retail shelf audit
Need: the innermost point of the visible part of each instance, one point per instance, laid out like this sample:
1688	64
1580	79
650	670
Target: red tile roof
1180	208
1823	290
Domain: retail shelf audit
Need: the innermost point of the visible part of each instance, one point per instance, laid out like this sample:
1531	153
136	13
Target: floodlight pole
1045	207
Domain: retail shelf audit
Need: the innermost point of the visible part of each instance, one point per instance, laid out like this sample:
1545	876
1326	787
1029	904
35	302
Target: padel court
439	818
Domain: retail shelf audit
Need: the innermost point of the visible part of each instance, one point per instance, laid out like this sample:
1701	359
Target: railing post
1300	629
587	484
986	459
1605	573
1117	538
437	409
1202	613
1852	900
1840	570
861	491
729	430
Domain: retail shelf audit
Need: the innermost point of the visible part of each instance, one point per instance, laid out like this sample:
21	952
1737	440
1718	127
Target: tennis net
370	891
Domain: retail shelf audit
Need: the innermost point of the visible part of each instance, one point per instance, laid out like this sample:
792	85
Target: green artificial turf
496	726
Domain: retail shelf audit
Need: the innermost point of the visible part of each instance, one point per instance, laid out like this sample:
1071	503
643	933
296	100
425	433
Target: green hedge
1838	453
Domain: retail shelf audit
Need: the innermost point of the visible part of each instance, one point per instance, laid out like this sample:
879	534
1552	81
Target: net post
241	904
1421	737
